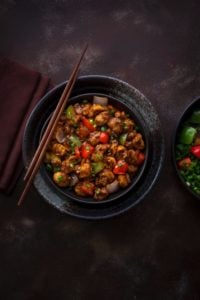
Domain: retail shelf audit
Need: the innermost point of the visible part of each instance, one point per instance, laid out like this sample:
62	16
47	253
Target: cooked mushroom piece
116	125
128	125
101	193
138	142
94	138
97	108
59	149
84	170
53	159
60	135
78	189
121	152
101	149
124	180
105	177
131	156
102	118
110	162
61	179
68	165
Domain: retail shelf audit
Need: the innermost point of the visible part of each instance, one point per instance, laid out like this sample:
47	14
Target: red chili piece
88	124
86	150
121	167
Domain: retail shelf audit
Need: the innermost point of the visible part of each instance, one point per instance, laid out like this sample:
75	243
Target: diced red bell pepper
86	150
195	150
88	124
104	137
184	163
77	152
120	168
88	188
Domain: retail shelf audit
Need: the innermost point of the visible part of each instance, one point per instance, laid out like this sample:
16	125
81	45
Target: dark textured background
153	251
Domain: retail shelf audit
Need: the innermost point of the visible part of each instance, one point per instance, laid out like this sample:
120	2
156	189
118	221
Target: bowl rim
122	192
174	138
117	87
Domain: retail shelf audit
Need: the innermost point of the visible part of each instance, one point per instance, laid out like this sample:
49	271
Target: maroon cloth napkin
20	90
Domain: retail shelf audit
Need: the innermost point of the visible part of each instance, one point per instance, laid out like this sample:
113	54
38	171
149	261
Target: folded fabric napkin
20	90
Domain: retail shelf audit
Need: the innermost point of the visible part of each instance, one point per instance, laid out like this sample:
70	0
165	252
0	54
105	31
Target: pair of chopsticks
38	156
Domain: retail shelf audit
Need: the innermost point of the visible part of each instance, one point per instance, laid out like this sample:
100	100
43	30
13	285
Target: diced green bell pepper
97	167
74	141
187	135
122	138
195	117
70	112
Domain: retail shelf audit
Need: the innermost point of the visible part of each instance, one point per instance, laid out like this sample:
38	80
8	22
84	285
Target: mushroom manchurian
96	149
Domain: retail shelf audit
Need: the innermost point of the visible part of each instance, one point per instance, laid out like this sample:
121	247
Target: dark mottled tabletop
152	252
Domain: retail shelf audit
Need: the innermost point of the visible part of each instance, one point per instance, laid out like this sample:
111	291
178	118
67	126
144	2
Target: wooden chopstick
37	158
52	121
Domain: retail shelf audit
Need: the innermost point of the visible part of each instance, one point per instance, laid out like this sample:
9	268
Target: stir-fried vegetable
88	124
97	167
70	112
187	135
86	150
95	150
122	138
74	140
188	152
121	167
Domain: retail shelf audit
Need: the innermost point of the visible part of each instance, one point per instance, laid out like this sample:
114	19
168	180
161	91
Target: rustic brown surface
153	251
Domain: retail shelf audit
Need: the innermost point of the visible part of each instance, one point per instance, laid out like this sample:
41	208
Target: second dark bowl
184	117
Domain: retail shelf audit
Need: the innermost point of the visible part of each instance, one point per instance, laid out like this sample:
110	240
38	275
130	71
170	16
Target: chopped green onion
103	128
97	167
60	178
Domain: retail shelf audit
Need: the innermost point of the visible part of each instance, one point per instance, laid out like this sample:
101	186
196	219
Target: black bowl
184	117
68	192
140	107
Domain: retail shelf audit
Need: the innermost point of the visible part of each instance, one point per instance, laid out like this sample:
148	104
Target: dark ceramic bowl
117	103
184	117
139	107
